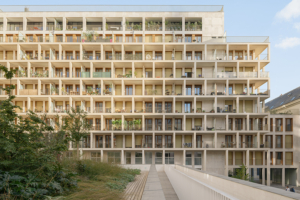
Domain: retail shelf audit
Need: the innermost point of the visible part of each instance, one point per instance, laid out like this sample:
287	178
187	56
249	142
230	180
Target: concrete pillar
268	169
226	163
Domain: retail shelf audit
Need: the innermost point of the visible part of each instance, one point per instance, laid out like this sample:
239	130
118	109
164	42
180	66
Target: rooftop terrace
111	8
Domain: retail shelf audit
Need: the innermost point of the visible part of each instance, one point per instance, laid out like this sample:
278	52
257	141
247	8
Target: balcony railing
37	74
133	57
110	27
226	75
101	75
193	27
136	27
248	75
98	110
28	92
53	27
153	27
94	27
14	27
264	74
74	27
236	39
34	27
173	27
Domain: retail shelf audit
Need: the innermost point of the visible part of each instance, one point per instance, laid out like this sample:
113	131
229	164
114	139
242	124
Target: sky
278	19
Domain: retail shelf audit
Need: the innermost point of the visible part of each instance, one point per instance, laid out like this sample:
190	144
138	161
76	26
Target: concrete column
226	163
204	161
247	161
283	177
268	169
184	154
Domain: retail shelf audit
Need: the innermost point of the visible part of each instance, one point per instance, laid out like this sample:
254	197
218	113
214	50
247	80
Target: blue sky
279	19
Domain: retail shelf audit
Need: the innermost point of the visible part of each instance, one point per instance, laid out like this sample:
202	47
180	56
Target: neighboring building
161	84
289	103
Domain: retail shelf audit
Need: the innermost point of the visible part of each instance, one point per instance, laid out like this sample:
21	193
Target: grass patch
97	180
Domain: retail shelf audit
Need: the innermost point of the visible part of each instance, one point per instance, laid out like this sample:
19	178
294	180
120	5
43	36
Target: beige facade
180	90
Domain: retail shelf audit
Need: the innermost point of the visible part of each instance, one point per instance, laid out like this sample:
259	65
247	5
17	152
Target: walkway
168	189
158	186
135	189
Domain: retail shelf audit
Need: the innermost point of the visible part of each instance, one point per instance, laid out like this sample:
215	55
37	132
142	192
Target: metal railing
34	27
173	27
248	75
225	75
194	27
133	57
235	39
14	27
157	27
110	27
94	27
135	27
53	27
74	27
101	74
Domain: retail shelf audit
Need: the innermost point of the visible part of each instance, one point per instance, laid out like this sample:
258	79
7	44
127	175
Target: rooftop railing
236	39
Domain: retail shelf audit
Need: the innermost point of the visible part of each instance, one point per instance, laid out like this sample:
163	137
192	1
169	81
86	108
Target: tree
75	126
28	164
241	173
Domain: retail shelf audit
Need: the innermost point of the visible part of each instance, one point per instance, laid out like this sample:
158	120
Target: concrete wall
215	162
194	184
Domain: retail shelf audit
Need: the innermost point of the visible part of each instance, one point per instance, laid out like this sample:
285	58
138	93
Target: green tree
76	126
28	157
241	173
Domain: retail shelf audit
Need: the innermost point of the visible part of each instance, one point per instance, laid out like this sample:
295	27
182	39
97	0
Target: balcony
248	75
98	110
60	109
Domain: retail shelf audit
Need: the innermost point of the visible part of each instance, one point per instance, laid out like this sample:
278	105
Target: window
148	107
148	141
96	156
289	158
268	141
128	90
169	158
281	103
187	107
271	125
178	124
288	141
278	158
114	157
199	141
158	124
188	90
278	141
168	141
198	89
158	158
188	158
128	157
158	141
168	124
138	158
197	158
168	107
278	125
292	98
69	154
158	107
289	124
148	158
148	124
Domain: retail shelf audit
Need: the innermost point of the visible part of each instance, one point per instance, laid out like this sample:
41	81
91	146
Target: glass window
168	141
188	90
289	125
96	156
278	141
278	124
169	158
148	158
128	90
138	158
128	157
197	158
158	158
198	89
114	157
188	158
187	107
178	124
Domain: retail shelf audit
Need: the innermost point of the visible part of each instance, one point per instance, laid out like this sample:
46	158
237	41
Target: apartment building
160	84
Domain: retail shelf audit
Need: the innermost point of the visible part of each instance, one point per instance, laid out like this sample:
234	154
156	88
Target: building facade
160	84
